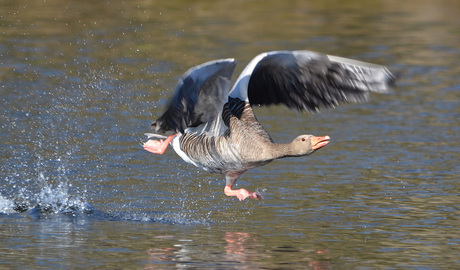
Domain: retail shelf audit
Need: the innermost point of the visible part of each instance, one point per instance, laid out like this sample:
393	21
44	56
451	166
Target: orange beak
318	142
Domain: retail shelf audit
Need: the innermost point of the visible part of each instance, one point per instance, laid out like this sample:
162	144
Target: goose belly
213	154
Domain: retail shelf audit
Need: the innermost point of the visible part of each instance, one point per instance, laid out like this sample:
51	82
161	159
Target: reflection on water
241	250
80	83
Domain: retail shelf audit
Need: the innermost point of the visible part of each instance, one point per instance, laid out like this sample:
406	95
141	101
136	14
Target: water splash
66	138
51	199
46	146
57	199
7	206
172	218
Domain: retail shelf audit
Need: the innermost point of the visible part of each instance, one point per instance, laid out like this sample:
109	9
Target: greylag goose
214	128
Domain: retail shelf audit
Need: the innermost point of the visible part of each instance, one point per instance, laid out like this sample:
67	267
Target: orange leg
241	193
158	147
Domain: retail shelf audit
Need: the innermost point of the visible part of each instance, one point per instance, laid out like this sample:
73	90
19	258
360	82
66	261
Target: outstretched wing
309	81
199	97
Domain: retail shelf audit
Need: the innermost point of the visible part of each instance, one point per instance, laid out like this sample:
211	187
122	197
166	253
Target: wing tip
392	75
153	135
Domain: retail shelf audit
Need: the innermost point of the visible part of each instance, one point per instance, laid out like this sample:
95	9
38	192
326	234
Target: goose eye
303	139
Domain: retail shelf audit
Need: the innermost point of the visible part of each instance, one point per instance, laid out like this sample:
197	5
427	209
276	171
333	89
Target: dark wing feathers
310	81
199	98
303	80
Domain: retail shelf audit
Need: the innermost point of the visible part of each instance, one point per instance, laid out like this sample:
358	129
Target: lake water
80	82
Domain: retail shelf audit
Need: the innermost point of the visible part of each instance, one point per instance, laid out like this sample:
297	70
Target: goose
212	126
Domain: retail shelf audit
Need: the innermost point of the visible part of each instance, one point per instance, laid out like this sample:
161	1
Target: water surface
81	81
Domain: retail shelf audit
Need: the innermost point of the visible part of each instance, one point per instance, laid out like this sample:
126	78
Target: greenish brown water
80	81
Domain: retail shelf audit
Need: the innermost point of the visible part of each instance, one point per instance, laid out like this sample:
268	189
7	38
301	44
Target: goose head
306	144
